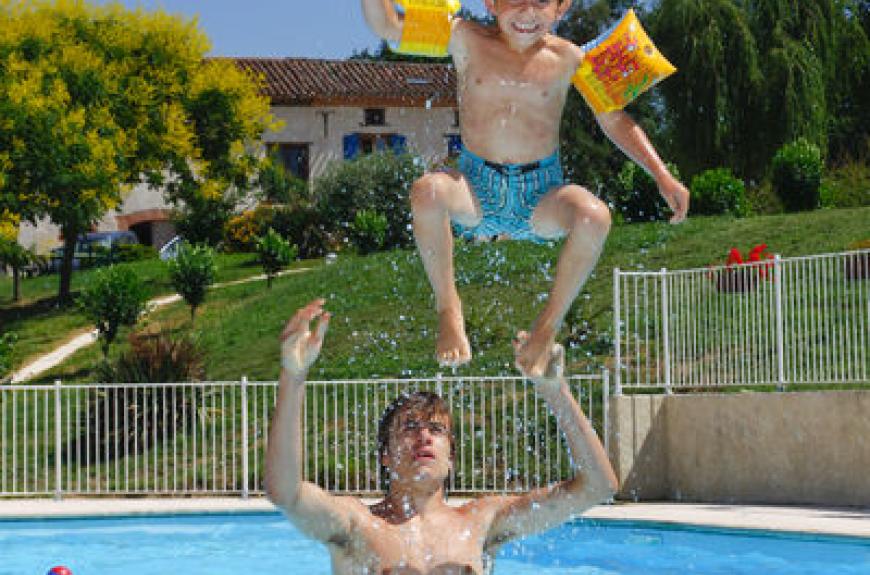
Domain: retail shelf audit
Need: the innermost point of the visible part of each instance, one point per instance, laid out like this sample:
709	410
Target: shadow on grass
33	309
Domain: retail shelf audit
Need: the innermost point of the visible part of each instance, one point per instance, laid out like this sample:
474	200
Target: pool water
267	543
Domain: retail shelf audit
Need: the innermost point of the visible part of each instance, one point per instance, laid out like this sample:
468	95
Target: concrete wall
777	448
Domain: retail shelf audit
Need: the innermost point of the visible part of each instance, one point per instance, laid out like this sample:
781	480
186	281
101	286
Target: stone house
331	110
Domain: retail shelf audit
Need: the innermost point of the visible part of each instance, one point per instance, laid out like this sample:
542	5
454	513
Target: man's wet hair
422	406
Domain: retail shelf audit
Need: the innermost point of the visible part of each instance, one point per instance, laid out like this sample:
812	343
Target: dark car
94	248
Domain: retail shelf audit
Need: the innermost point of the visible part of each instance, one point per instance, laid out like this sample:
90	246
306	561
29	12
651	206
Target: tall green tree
96	99
712	101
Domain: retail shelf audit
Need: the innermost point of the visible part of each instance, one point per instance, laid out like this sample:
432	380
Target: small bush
716	192
637	197
125	420
192	272
379	182
114	297
279	186
134	253
274	254
241	232
305	228
762	200
368	231
7	348
797	175
846	186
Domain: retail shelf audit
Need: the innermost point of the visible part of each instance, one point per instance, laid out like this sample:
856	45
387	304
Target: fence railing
801	320
210	437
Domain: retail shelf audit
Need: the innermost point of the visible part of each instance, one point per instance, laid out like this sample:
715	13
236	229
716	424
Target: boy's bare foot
534	351
453	348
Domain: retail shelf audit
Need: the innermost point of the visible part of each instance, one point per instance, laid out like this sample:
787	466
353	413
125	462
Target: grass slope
384	322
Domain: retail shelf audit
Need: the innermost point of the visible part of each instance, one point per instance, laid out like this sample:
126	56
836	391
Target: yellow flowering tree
95	99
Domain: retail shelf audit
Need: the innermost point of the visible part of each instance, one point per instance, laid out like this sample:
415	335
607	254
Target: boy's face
419	447
525	22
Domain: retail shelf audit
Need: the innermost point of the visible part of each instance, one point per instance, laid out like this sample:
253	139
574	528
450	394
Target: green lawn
384	321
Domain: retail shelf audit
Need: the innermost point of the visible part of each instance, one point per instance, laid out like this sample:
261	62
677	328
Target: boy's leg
436	198
574	211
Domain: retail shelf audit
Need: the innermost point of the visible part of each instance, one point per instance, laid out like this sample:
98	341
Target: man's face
419	448
525	22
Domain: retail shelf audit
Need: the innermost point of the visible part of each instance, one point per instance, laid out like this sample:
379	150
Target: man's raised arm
382	18
594	480
314	511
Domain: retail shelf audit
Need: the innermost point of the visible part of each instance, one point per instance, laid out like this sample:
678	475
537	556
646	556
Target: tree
115	297
96	99
12	254
192	272
712	102
274	253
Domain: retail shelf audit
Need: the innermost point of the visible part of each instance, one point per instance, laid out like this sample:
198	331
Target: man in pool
413	530
513	80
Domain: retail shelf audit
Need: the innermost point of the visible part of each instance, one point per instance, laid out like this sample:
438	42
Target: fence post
58	489
780	334
605	408
244	437
666	336
617	334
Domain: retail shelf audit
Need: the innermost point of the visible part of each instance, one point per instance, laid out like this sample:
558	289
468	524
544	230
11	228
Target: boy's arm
630	138
314	511
382	18
594	480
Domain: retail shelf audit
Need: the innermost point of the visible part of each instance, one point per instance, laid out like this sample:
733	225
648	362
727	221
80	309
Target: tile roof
302	81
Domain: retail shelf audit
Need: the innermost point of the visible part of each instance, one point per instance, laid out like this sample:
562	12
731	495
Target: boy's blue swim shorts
508	194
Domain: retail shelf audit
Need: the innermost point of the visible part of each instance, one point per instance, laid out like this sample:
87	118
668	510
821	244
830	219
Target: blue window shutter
454	144
380	144
351	146
398	143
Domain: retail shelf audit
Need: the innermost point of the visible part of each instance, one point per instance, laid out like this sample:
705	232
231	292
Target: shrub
7	348
134	253
114	297
368	231
279	186
761	199
797	175
191	272
846	186
305	228
242	231
202	220
717	192
379	182
124	420
637	197
274	253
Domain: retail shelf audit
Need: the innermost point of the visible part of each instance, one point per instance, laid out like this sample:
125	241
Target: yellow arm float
426	27
619	66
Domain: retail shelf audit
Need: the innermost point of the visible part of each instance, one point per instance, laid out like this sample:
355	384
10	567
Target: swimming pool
266	543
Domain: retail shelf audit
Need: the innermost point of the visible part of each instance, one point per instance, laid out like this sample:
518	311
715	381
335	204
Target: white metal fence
801	320
210	438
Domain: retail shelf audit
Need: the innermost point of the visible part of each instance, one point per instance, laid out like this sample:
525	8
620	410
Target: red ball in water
59	570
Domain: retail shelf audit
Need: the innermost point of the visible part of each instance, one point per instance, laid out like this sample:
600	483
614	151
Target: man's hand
299	345
676	195
553	374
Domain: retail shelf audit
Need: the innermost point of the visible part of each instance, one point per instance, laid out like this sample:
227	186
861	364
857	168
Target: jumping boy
413	530
513	79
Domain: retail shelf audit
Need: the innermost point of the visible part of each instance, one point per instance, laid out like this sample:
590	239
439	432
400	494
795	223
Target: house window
375	117
294	158
455	118
356	144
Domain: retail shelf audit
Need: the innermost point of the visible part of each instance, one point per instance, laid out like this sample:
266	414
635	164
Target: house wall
426	130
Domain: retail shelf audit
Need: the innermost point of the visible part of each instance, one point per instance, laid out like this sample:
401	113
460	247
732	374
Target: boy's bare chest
537	80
